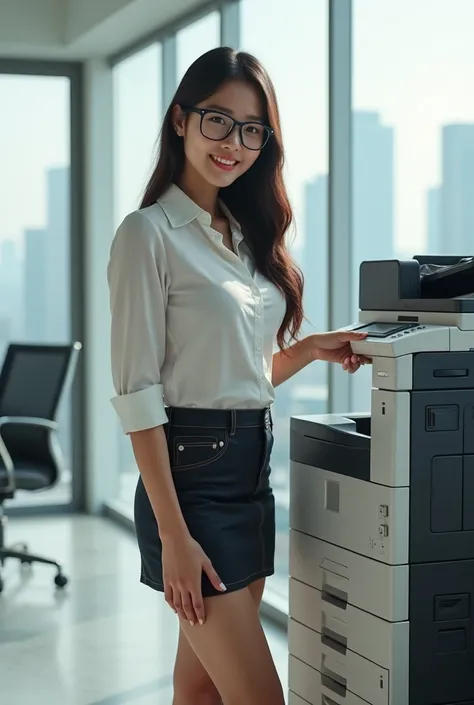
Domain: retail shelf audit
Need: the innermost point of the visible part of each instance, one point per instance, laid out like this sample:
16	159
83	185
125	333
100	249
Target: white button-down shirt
193	324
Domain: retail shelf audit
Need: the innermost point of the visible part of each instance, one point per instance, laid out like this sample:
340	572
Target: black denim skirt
220	466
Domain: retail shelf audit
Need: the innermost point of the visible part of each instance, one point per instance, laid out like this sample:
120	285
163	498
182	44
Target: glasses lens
254	135
216	126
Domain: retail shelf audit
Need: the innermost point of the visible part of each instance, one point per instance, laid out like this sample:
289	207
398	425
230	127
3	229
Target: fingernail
222	586
201	622
191	623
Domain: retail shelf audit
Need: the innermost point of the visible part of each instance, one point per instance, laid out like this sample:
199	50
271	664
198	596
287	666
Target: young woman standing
201	286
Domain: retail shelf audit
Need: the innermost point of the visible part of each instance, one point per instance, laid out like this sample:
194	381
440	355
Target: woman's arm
138	284
334	346
151	453
287	363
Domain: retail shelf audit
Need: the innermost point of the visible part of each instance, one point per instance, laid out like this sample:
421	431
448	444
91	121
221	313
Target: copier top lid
351	430
425	283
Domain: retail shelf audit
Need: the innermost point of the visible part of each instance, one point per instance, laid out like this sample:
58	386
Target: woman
201	286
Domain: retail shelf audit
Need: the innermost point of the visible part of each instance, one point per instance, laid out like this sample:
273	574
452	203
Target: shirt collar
181	210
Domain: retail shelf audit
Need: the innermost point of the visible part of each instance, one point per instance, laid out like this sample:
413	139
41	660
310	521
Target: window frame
72	70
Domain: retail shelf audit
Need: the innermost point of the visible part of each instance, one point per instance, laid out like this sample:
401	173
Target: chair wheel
60	580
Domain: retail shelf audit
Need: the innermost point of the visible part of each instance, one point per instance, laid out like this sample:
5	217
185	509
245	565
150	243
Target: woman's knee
188	691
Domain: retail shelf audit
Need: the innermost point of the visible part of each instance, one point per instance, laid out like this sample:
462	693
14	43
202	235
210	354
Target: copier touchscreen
383	330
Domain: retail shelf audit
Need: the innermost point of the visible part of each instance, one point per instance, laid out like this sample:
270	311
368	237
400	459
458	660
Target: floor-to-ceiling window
413	135
195	39
137	121
293	47
35	232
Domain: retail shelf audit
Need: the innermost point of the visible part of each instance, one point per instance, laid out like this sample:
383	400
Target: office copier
381	607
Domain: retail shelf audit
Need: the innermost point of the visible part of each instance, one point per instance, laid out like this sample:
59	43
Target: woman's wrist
312	347
174	536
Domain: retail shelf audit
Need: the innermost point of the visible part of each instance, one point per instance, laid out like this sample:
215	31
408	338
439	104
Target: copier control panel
395	339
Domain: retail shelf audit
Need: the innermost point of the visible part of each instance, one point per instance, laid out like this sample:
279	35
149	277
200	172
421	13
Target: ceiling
80	29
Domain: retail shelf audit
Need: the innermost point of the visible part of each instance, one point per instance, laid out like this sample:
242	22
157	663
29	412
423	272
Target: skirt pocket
194	451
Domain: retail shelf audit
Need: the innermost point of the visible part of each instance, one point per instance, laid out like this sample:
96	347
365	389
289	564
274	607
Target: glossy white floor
106	639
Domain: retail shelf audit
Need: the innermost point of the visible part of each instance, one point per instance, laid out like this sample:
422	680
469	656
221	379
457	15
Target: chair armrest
29	421
9	467
5	455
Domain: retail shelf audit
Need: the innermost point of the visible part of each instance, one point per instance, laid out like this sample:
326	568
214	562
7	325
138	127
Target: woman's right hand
183	564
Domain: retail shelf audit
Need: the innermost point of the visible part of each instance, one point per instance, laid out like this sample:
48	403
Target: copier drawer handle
325	700
335	597
329	682
334	641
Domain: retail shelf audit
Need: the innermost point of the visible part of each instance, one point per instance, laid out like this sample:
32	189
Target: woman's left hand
335	346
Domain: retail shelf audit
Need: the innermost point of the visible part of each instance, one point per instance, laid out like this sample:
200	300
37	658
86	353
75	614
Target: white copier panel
359	643
349	578
396	339
340	672
306	686
364	517
347	627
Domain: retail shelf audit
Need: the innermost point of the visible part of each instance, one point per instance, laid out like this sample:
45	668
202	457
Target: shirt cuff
141	410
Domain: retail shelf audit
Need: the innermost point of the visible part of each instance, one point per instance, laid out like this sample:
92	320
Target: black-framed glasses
216	125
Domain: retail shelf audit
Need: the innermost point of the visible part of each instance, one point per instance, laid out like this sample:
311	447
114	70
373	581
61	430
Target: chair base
20	552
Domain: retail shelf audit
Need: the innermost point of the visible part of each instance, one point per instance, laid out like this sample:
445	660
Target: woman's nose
232	141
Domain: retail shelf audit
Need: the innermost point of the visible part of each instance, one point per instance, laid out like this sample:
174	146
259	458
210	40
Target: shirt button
259	311
258	347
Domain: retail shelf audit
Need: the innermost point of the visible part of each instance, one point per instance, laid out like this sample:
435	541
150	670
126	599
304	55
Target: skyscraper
35	273
57	277
373	193
457	193
11	292
46	287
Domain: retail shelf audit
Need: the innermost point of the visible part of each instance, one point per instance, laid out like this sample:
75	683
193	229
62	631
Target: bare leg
234	652
192	684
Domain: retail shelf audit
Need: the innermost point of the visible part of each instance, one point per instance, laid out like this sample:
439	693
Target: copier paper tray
335	443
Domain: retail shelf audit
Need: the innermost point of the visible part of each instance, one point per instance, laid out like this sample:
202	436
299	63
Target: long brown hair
257	199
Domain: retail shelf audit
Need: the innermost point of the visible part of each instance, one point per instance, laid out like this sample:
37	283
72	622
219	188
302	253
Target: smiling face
219	162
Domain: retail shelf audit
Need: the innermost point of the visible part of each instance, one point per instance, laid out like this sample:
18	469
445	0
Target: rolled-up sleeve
138	284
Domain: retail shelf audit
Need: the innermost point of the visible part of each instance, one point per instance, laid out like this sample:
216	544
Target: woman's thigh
233	650
191	679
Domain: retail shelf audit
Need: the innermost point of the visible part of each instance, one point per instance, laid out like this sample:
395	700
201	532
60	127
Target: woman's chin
220	180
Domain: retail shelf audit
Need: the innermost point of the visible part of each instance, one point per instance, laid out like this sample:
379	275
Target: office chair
33	380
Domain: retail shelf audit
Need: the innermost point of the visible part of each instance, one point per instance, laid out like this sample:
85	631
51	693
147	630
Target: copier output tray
448	279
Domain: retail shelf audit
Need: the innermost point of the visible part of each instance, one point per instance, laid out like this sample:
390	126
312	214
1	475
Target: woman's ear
179	120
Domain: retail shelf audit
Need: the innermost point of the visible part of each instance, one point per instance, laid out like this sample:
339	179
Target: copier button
383	530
